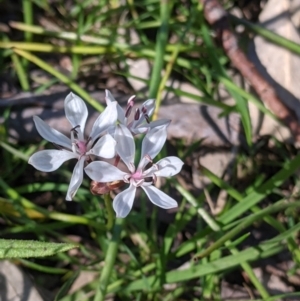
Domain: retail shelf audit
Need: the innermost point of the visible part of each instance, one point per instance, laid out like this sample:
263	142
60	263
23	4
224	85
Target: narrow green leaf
216	266
66	286
269	35
241	102
66	80
21	72
41	268
261	192
161	42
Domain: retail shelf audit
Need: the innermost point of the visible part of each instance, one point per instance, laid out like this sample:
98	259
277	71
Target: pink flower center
138	175
82	149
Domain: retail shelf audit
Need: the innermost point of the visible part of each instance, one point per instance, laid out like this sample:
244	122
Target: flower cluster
112	136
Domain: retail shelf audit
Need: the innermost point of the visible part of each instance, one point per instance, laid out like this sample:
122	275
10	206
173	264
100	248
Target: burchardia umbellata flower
142	176
140	123
77	147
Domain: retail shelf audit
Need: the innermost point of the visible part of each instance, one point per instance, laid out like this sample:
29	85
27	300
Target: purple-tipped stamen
129	106
137	115
147	118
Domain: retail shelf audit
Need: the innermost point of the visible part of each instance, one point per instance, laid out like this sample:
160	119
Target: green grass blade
160	48
261	192
81	92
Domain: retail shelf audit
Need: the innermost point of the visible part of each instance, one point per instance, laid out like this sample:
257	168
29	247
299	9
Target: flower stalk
109	261
110	211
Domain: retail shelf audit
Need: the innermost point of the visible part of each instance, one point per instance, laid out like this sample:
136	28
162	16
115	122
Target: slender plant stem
110	211
109	261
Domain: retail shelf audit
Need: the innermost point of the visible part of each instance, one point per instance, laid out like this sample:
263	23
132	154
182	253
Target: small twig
218	18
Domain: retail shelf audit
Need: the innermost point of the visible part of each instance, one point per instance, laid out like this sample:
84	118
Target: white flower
141	176
141	121
77	147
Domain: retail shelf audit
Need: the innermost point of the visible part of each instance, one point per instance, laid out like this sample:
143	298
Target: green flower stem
109	261
110	211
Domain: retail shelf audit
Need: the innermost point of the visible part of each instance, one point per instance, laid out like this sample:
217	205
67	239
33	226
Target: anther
126	178
147	118
88	140
137	114
155	166
128	110
74	128
148	158
154	178
129	107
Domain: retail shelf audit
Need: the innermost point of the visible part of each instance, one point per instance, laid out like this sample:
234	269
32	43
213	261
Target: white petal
49	160
150	106
76	179
121	115
101	171
139	130
143	128
143	162
158	123
123	202
76	111
108	97
51	134
168	167
154	141
105	147
111	130
159	198
105	120
125	146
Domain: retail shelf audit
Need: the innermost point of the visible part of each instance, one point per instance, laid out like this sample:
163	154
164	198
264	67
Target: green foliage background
152	261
